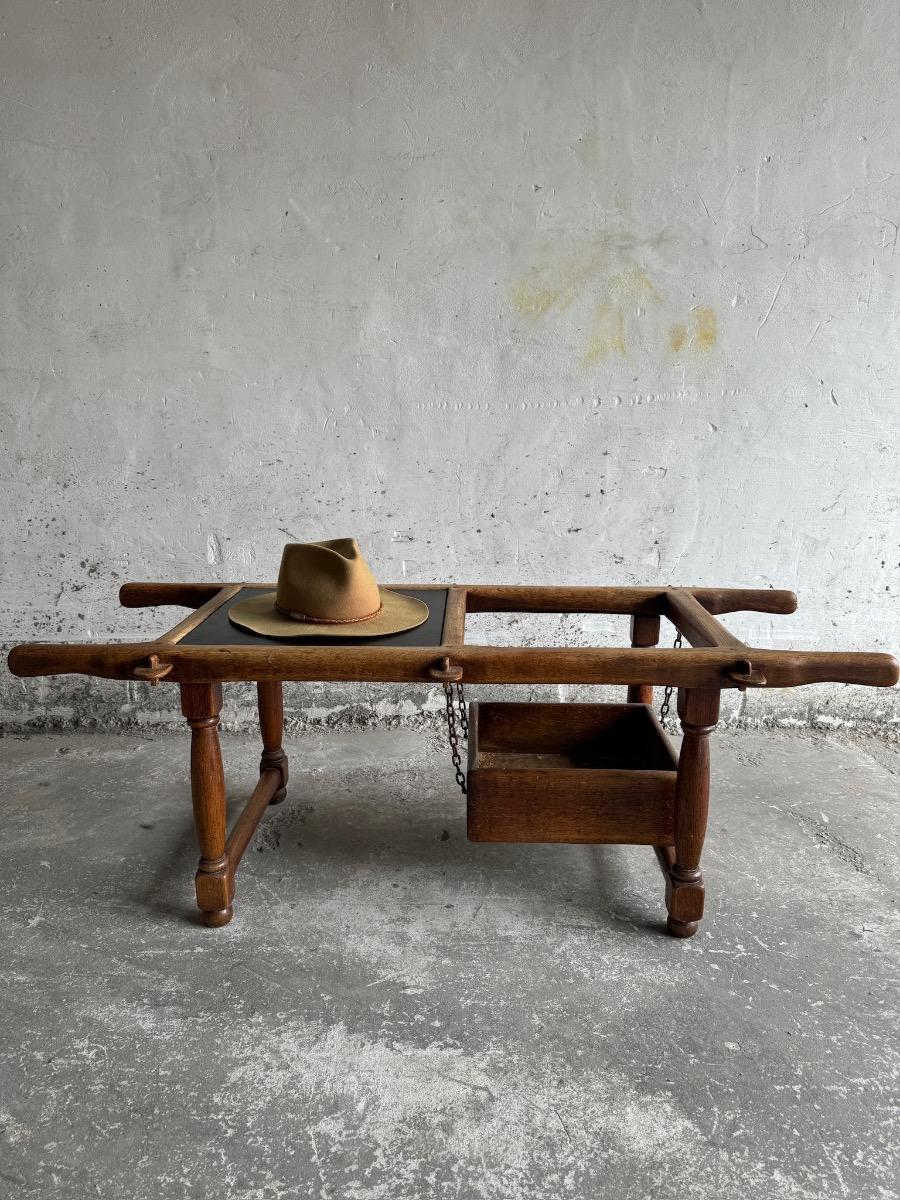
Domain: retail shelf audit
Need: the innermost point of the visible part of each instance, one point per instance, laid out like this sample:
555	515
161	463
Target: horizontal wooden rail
697	624
481	597
480	664
187	595
644	601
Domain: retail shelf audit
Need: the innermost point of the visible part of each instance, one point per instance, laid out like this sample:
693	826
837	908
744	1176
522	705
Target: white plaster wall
586	292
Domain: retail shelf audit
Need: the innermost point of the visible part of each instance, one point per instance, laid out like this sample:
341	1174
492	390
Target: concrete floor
396	1013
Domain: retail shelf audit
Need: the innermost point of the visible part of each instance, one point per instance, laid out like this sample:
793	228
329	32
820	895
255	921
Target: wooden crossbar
455	617
246	823
698	625
199	615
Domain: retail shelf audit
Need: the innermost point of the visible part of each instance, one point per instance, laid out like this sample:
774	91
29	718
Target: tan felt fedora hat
325	589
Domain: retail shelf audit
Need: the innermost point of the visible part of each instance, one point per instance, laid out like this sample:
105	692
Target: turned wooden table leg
271	723
698	709
201	703
644	632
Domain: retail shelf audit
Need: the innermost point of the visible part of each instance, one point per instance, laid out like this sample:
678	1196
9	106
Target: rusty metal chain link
452	733
463	710
667	694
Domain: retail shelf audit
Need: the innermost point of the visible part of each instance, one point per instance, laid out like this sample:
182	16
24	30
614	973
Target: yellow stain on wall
607	334
705	328
533	300
702	334
633	286
557	283
585	274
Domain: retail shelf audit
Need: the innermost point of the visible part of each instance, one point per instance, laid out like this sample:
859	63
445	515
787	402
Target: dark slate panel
217	630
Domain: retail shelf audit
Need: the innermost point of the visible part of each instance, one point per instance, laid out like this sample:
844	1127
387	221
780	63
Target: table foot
682	929
684	894
217	918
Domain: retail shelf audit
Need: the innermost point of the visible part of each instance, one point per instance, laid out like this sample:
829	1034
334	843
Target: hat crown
326	581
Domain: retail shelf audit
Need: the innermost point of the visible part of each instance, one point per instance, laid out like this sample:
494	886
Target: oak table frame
715	661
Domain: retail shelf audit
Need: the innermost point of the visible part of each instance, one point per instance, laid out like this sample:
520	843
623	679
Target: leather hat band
299	616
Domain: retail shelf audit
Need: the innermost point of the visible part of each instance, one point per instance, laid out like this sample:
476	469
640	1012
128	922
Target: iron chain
463	710
452	733
667	694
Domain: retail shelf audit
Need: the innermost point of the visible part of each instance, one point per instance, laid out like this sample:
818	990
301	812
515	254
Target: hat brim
398	613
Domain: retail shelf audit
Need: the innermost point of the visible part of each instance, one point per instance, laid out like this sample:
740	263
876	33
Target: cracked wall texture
513	292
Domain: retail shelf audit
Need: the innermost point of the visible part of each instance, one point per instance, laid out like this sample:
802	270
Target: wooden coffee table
590	804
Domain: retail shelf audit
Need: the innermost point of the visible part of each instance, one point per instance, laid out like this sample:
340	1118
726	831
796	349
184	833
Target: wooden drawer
569	773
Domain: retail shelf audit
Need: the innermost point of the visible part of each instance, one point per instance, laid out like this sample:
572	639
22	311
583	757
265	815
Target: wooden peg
744	675
154	671
446	671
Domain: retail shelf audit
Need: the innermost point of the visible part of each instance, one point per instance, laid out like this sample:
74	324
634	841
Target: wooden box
569	773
